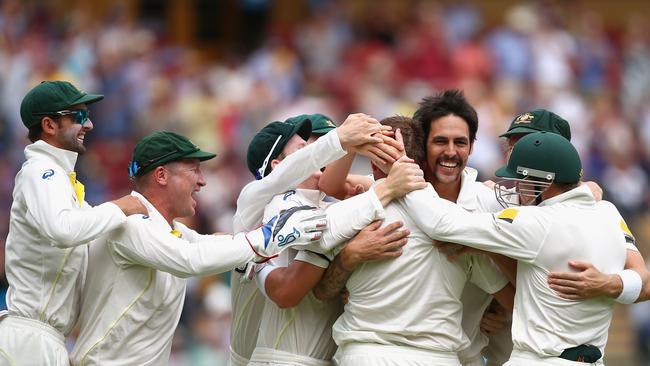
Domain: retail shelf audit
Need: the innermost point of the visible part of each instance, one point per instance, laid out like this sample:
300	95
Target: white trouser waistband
262	354
38	326
350	349
236	359
534	359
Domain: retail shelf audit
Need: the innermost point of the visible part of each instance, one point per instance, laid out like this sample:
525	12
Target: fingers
373	226
564	276
566	292
314	236
315	225
399	139
566	283
397	235
580	265
393	226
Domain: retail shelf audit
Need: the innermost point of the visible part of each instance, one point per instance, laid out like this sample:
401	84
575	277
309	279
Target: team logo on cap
524	118
330	124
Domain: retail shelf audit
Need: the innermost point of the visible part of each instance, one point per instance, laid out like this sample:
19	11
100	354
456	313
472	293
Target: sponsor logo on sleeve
48	174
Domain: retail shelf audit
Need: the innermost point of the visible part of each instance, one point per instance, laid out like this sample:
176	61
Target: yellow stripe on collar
79	189
176	233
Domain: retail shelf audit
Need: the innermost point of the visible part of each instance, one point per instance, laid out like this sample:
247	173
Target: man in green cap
134	292
563	222
50	225
295	161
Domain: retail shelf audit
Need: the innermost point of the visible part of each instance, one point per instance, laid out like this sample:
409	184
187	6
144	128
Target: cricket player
356	132
296	327
566	223
134	292
50	225
496	346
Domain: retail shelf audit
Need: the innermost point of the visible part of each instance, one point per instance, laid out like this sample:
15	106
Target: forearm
287	286
333	180
333	281
508	266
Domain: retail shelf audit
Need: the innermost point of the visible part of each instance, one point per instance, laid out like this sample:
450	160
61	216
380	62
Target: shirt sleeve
485	274
514	232
318	260
140	241
346	218
48	198
293	170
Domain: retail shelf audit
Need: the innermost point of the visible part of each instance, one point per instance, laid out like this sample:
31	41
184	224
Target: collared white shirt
247	301
306	328
46	255
135	287
414	300
544	238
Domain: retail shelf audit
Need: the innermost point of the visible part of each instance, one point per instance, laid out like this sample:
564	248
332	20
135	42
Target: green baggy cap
320	123
160	148
269	143
539	120
52	96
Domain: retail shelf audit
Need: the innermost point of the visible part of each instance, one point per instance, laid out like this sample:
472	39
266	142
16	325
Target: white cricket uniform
407	310
134	293
544	238
46	256
302	335
247	301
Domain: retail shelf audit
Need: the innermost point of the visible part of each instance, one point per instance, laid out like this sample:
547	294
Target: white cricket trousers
273	357
29	342
522	358
236	360
473	361
369	354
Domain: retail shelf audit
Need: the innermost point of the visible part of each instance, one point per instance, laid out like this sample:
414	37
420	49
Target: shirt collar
66	159
153	212
313	196
579	195
467	195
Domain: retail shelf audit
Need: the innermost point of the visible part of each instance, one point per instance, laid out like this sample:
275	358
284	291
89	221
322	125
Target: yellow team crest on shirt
629	238
508	214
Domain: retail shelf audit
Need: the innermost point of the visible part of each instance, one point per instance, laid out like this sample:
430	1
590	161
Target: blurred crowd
381	61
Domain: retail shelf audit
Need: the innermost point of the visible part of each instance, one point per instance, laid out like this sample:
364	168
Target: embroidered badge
508	215
524	118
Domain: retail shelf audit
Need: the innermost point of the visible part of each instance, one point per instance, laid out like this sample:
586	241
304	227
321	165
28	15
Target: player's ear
49	126
274	163
161	175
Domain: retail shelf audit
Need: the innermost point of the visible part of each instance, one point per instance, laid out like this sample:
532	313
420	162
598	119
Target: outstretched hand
587	283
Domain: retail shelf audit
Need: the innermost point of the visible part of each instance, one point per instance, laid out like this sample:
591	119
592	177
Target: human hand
386	152
359	129
588	283
297	226
494	319
453	250
595	189
374	243
130	205
404	176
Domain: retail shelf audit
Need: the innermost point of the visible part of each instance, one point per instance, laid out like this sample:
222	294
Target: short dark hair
412	135
34	133
448	102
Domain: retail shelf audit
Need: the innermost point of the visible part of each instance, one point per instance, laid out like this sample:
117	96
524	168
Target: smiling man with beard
49	227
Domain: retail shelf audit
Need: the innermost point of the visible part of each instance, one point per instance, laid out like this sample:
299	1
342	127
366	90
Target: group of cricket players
418	264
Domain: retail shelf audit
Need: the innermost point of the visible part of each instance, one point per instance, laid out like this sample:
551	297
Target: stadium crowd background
335	58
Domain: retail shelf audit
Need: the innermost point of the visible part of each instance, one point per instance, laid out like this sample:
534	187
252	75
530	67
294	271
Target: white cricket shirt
544	238
45	254
135	287
412	300
247	301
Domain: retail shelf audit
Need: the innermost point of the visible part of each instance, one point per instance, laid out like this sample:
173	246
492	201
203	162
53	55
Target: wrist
343	140
347	261
614	286
384	192
632	284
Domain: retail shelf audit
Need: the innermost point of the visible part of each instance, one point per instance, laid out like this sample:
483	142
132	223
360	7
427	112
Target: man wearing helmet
559	221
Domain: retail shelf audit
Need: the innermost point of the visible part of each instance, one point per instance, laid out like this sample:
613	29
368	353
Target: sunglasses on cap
80	115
